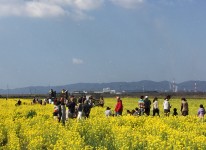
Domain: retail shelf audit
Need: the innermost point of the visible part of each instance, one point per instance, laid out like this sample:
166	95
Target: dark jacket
147	103
71	107
80	108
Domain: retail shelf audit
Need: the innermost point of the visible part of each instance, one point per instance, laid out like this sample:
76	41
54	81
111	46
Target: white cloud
79	15
49	8
31	9
76	9
128	4
38	9
77	61
88	4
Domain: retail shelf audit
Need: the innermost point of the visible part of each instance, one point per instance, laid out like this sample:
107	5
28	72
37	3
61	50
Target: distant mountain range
140	86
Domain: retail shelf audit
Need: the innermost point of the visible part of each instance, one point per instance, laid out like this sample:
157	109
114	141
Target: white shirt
155	105
166	104
108	113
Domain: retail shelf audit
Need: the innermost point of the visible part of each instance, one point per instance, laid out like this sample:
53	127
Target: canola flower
32	127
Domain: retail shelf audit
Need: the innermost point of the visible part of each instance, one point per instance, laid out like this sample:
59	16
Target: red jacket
119	106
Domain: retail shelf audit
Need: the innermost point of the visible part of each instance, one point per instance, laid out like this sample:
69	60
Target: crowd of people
81	107
77	108
145	105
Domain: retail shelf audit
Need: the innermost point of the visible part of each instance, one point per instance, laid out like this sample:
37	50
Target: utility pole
173	86
143	88
195	87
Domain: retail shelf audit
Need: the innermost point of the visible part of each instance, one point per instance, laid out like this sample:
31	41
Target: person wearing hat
108	112
147	104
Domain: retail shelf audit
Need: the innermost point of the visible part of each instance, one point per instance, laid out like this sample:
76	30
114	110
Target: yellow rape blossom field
32	127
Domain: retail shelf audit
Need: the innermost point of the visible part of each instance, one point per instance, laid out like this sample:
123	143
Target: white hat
146	97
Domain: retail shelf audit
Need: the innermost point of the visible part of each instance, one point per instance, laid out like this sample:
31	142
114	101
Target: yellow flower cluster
32	127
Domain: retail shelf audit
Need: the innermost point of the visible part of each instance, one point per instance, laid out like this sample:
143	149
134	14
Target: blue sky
58	42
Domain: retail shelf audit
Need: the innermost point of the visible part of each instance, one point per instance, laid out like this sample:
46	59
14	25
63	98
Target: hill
140	86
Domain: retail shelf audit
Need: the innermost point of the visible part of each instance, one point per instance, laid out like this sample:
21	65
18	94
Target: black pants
147	111
156	111
184	113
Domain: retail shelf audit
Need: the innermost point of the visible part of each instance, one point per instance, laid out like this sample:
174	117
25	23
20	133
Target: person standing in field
63	110
155	107
201	112
101	101
141	105
147	104
166	106
87	108
59	115
80	110
184	107
71	108
119	107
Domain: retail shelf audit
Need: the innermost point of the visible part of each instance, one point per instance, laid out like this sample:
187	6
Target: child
201	112
175	112
55	113
136	113
108	112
